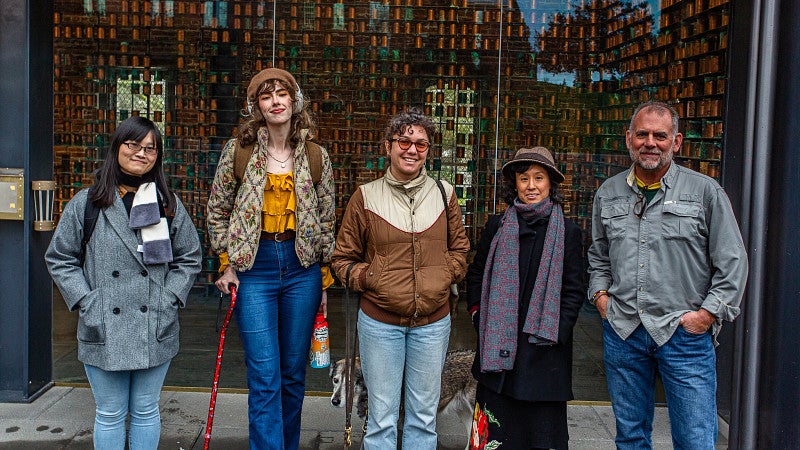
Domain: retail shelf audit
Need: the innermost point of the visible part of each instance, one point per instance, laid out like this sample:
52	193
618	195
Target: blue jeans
388	352
116	393
687	365
276	304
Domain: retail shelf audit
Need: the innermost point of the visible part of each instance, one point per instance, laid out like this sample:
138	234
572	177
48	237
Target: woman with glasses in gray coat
127	282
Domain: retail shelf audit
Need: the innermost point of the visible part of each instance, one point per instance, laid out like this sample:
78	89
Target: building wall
495	75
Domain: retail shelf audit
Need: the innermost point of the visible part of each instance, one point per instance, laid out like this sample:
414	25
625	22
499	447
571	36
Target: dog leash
349	360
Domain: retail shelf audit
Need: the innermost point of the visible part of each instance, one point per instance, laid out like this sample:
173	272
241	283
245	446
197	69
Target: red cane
212	405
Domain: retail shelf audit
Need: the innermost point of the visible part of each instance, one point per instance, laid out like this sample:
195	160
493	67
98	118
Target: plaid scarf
500	289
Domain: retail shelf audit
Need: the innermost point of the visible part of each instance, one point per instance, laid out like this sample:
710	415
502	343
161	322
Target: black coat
541	372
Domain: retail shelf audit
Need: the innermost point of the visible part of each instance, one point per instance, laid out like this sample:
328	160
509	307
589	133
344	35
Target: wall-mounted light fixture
43	199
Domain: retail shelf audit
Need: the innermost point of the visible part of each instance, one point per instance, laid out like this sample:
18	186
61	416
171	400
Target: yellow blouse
277	215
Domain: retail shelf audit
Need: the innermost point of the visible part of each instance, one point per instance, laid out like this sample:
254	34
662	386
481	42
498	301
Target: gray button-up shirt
685	253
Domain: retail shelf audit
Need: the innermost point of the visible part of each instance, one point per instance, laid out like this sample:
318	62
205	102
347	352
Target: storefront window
495	75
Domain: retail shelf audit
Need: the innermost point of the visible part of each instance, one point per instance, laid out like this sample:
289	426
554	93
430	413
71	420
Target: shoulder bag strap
446	209
453	299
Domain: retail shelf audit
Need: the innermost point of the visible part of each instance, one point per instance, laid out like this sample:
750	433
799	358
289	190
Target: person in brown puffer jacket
401	247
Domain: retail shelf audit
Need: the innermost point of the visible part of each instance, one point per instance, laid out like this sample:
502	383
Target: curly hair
247	132
399	123
509	187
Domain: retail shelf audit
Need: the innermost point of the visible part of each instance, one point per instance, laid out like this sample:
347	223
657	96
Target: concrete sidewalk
62	418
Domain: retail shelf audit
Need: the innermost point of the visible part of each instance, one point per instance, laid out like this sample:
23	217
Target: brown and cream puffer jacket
395	236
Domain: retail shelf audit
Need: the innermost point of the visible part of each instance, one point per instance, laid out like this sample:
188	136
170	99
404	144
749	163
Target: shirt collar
667	180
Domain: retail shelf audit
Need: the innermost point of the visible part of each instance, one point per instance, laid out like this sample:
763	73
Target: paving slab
63	417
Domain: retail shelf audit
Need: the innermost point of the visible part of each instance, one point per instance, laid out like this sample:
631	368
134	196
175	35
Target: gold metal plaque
12	194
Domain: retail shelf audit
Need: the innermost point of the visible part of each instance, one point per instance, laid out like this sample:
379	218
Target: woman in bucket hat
524	289
271	221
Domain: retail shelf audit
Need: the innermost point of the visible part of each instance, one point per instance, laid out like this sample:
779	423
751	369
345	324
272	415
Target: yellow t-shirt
277	215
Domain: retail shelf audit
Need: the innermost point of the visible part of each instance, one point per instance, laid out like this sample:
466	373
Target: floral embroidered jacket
234	218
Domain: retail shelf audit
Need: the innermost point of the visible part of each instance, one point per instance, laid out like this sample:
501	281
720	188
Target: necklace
283	163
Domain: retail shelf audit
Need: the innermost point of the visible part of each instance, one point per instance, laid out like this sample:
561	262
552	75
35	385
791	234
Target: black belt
278	237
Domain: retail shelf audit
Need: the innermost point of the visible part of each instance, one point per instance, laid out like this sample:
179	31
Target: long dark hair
510	183
247	132
134	128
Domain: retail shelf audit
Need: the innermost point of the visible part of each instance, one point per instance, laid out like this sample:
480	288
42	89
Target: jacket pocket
168	325
681	221
374	273
91	322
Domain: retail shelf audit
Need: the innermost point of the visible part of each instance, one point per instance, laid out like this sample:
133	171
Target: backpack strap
90	214
314	153
242	154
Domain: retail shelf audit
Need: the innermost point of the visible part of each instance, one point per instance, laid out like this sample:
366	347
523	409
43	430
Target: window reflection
565	74
494	75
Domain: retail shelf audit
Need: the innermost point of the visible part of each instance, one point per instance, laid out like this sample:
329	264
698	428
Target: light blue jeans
687	365
276	304
116	393
388	353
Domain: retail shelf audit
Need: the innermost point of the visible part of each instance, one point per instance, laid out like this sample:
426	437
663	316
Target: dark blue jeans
687	365
276	304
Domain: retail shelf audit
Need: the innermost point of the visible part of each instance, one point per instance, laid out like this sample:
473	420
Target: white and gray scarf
146	216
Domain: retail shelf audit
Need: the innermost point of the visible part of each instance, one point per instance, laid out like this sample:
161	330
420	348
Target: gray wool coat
128	310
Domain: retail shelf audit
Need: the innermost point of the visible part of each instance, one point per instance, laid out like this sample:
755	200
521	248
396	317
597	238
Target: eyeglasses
639	205
135	147
405	144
